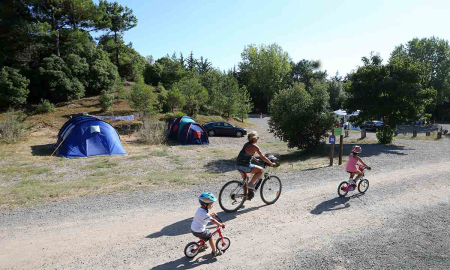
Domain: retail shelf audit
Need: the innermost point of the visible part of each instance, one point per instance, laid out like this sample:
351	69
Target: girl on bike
351	167
202	218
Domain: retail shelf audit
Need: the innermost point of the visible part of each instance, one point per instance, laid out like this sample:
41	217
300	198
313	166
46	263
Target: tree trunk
55	28
117	49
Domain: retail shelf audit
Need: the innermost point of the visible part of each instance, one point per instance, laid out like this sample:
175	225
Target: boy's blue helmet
207	197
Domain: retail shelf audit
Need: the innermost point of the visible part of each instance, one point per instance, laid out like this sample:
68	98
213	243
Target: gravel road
402	222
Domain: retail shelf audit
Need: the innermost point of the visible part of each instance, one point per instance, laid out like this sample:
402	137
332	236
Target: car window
227	125
218	124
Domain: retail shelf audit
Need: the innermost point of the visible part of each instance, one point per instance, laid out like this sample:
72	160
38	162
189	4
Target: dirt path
402	222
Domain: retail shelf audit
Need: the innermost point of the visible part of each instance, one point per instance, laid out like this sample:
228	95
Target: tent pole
61	143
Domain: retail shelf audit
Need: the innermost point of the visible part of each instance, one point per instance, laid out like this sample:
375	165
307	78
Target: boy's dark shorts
206	235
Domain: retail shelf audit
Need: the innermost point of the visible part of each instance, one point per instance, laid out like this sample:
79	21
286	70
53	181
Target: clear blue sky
338	33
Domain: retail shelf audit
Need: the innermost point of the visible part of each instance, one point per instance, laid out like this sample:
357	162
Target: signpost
332	141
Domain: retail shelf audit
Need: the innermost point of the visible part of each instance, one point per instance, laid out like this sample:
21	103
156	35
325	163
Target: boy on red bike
351	166
202	218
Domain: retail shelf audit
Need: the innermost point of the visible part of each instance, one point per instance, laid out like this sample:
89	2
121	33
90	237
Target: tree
434	53
13	88
264	69
336	92
118	20
203	66
305	71
395	92
143	98
175	99
195	94
300	117
226	95
244	104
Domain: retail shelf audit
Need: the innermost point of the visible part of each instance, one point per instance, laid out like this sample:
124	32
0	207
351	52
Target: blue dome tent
173	127
87	136
193	133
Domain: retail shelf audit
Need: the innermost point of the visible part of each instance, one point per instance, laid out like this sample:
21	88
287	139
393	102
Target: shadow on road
221	166
334	204
184	226
186	263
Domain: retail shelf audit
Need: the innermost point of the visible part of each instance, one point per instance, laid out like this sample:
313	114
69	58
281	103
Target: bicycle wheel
363	186
232	196
191	250
342	189
223	245
271	189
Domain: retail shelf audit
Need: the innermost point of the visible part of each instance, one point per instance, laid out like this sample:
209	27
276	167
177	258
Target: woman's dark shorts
206	235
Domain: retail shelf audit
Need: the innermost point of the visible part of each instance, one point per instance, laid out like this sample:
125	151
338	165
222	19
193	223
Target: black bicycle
234	193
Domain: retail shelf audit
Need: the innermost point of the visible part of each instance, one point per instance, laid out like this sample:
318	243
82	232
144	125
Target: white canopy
340	112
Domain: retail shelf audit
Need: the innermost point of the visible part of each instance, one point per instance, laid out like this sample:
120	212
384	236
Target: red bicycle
223	243
363	184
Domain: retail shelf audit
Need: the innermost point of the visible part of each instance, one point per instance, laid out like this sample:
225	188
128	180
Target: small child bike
193	248
363	184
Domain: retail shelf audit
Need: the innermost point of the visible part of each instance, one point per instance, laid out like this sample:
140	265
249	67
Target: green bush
13	88
386	135
12	128
44	107
143	98
106	100
171	116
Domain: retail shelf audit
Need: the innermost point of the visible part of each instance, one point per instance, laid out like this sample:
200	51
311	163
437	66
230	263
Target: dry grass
420	136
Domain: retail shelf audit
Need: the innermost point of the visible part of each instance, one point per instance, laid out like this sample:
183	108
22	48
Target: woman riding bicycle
351	168
243	161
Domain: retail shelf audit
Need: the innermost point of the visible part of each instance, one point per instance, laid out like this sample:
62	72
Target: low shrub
44	107
106	100
12	128
171	116
386	135
153	131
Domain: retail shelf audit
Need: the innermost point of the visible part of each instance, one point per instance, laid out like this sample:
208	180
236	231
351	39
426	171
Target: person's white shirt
201	219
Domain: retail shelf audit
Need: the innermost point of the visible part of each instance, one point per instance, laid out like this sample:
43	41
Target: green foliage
337	93
244	104
395	92
434	53
106	100
12	128
143	98
172	116
264	70
386	135
13	88
301	118
44	107
170	72
175	99
59	80
194	93
306	71
225	95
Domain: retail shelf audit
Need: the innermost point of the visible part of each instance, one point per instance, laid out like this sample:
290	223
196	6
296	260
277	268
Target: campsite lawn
29	175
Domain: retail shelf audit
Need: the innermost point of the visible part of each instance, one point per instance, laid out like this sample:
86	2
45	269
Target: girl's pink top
351	164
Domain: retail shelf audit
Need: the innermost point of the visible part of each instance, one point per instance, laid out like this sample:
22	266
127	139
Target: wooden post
346	133
332	150
427	134
414	133
341	143
363	133
439	135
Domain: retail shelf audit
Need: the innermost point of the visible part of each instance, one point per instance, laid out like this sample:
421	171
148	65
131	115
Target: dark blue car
223	129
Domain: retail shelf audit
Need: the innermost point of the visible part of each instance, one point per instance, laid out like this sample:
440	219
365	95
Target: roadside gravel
402	222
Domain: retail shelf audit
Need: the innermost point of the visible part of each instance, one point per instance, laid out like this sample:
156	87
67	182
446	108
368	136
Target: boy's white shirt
201	219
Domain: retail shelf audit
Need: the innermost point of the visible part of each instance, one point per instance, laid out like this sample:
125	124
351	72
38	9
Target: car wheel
211	133
238	134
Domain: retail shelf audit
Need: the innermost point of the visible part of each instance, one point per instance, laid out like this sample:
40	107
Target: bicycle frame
202	242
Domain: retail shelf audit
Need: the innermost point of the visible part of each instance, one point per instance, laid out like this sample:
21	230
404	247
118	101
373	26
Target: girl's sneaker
216	253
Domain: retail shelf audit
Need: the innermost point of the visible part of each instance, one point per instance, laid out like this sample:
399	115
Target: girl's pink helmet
356	149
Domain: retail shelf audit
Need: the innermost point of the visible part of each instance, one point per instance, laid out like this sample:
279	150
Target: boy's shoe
216	253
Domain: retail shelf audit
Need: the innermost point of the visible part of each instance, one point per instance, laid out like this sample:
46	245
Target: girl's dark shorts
206	235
